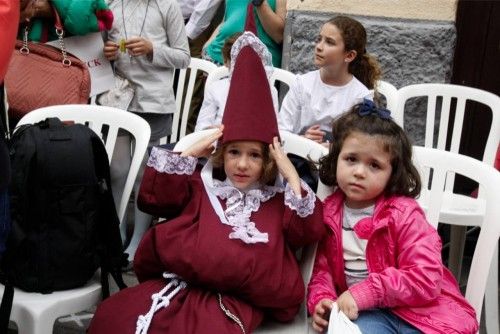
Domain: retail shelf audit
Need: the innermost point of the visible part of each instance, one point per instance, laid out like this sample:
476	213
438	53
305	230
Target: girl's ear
350	56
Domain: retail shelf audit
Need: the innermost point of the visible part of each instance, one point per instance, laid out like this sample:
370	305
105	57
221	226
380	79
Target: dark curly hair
364	67
269	168
404	179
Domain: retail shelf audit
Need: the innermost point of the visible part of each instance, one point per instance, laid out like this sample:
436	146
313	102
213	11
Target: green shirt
234	21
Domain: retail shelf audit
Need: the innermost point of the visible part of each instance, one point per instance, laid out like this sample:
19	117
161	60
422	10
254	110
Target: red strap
57	24
57	19
250	22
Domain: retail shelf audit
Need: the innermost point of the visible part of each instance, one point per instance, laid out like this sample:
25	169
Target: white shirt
214	103
310	102
355	268
199	13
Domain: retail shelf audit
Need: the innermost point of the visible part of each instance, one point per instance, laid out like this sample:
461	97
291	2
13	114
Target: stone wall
409	51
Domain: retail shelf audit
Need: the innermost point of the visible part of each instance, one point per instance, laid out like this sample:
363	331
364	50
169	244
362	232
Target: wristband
257	3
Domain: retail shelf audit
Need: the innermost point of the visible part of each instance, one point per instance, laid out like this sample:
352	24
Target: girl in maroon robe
227	258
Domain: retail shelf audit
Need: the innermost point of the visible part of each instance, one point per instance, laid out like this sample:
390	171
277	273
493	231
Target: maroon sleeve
303	219
166	187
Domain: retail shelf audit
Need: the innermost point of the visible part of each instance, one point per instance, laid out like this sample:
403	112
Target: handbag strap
57	19
59	28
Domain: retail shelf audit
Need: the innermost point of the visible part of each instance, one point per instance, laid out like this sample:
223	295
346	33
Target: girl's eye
318	39
255	155
233	151
375	165
350	159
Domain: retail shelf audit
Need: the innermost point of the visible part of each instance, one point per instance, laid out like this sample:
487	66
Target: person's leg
119	167
382	321
142	220
161	125
376	322
196	48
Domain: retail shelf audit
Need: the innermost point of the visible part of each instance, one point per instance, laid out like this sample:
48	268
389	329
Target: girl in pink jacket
381	260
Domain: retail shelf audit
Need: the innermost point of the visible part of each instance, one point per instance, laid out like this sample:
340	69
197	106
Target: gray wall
409	52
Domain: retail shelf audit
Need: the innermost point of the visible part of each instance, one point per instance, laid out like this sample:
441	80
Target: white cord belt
160	300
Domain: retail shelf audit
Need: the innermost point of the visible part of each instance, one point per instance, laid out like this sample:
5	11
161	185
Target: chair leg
491	298
457	246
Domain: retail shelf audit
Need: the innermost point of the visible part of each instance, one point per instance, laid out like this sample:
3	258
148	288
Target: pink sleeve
321	284
416	277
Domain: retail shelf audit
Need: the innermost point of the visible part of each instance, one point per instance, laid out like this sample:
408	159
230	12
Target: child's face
363	169
243	163
330	50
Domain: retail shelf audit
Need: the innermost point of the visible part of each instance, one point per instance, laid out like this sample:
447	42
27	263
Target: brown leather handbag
41	75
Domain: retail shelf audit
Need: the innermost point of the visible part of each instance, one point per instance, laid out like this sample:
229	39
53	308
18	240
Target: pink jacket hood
403	256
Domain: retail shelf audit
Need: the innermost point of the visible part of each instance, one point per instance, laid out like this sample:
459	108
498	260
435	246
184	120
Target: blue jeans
383	321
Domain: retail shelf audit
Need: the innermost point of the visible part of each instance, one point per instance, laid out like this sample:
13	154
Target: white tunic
310	102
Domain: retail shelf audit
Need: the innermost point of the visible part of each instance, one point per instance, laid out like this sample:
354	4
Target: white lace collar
239	205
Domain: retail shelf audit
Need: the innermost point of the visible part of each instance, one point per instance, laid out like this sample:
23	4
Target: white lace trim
165	161
304	206
239	207
249	39
160	300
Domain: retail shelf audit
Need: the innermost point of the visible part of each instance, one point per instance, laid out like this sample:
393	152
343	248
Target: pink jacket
403	256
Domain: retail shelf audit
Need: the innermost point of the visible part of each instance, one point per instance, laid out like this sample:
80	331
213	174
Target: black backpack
64	222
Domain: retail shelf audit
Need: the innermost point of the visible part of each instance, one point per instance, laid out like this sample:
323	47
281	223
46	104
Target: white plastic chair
305	148
435	196
217	74
458	209
279	74
283	76
391	97
180	119
35	313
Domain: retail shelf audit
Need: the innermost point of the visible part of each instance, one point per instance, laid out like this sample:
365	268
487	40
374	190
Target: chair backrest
448	93
282	75
98	118
217	74
184	94
279	74
442	163
440	98
390	92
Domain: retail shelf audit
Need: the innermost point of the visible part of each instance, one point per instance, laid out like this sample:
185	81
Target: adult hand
34	8
321	314
347	304
111	50
139	46
285	166
314	133
205	146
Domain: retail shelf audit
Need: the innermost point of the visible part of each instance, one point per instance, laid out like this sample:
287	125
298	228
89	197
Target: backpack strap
113	258
6	306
